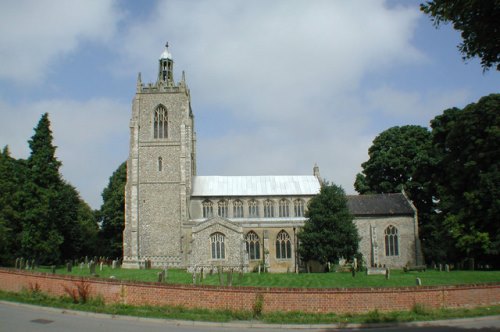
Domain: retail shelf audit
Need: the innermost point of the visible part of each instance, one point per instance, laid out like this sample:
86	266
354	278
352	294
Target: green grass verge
418	313
398	278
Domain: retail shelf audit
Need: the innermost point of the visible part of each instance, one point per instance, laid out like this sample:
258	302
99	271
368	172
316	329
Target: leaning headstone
113	264
447	268
69	267
53	269
418	282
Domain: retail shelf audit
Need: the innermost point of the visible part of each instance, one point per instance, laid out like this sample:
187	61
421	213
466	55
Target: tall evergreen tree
112	213
329	233
40	236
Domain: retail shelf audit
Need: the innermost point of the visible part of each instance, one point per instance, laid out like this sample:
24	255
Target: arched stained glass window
284	210
391	241
218	248
222	209
208	209
160	123
298	207
253	245
283	245
238	209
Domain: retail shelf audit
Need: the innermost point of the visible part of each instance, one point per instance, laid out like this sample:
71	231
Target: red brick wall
275	299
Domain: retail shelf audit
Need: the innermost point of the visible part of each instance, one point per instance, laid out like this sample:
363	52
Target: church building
176	218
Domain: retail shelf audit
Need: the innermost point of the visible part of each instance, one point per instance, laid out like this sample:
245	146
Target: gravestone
82	264
100	266
86	261
161	276
194	276
418	282
17	263
230	277
259	268
53	269
440	267
92	267
447	268
69	267
21	263
387	274
113	265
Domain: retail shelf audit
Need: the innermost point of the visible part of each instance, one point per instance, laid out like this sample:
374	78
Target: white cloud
91	138
34	34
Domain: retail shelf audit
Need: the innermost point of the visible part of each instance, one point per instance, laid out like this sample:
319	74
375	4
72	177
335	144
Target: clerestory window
268	209
253	208
208	209
298	207
284	210
238	209
222	209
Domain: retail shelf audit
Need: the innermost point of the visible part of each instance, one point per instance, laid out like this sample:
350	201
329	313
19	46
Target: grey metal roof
379	204
278	185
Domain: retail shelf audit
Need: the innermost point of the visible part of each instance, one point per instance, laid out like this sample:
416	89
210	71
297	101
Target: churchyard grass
398	278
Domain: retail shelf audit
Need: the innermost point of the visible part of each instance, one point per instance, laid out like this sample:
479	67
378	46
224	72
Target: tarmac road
21	317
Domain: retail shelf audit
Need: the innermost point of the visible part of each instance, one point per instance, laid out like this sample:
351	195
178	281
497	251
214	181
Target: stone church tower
160	169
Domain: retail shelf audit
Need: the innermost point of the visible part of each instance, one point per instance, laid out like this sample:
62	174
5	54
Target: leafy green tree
468	176
329	232
478	22
111	215
402	158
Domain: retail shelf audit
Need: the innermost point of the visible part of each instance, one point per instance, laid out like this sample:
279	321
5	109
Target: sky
276	86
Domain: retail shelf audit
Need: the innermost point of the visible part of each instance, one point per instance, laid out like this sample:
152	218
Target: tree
402	158
329	233
478	22
40	236
112	213
468	145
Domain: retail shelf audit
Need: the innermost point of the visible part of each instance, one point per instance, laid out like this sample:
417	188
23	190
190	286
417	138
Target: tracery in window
160	123
283	245
253	208
218	249
268	209
208	209
238	209
298	207
222	208
253	245
391	241
284	210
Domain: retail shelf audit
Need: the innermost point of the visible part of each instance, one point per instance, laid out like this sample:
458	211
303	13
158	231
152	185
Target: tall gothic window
218	249
253	245
238	209
160	164
268	209
391	241
253	208
222	209
284	208
283	245
208	209
160	123
298	207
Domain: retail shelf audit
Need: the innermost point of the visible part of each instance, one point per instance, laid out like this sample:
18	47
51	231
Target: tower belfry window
160	123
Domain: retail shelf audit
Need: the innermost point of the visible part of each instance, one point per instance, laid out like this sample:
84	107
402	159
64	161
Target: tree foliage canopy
329	234
478	22
467	142
111	214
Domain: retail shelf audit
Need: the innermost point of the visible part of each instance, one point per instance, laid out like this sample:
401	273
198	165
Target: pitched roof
277	185
379	204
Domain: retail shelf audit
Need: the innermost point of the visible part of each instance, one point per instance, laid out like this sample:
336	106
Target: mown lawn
398	278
